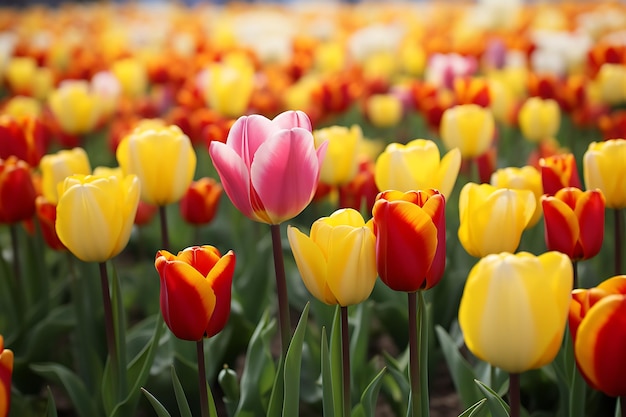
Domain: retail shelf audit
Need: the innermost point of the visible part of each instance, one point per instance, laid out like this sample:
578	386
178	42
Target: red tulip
47	216
597	321
195	290
25	138
559	171
17	192
200	202
410	238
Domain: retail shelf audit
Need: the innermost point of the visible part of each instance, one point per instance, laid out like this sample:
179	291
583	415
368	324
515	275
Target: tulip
493	219
596	320
337	261
559	171
341	163
574	222
525	178
514	309
6	371
228	85
410	238
95	215
195	290
384	110
21	107
132	77
604	168
47	215
19	74
163	159
539	119
75	107
468	127
417	165
269	168
611	81
56	167
17	192
200	202
24	137
361	192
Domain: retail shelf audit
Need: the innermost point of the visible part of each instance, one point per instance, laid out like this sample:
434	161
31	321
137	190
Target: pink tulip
269	168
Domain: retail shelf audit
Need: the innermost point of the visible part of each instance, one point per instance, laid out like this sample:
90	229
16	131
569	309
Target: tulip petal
290	119
590	212
187	300
201	258
247	134
448	171
221	279
312	265
561	226
285	173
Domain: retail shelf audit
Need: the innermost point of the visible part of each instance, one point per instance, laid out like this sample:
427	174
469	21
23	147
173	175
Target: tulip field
311	209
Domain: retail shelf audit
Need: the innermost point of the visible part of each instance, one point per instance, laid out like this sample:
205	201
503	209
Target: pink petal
290	119
285	173
234	176
247	134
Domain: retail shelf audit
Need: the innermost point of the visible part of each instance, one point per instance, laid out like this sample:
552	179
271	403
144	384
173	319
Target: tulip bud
17	192
604	168
559	171
539	119
469	127
200	202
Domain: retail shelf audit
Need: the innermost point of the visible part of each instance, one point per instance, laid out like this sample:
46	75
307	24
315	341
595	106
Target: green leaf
181	399
359	344
336	363
370	395
495	403
227	378
211	400
293	361
158	407
461	371
80	397
422	343
328	400
259	371
474	409
51	409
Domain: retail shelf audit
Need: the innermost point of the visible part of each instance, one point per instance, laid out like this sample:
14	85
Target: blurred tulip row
470	155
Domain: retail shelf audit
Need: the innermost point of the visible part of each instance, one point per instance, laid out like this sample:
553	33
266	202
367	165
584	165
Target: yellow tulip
163	159
525	178
58	166
384	110
493	219
539	119
132	76
229	86
330	57
514	309
468	127
338	261
19	73
341	162
611	83
75	108
22	106
604	167
417	166
95	215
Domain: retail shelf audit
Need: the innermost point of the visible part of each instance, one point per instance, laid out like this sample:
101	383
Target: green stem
345	361
575	270
618	240
281	289
204	398
17	270
514	395
108	317
414	363
622	405
165	238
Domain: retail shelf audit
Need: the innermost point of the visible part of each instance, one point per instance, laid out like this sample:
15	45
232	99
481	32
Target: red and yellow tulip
559	171
195	290
200	202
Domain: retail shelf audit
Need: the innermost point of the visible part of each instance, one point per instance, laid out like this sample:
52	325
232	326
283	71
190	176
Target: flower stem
514	395
618	240
165	238
345	361
204	398
575	269
108	316
281	289
414	362
17	270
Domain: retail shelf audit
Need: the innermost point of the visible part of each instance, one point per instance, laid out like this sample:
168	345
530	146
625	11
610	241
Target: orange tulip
195	290
410	238
597	321
574	222
200	202
17	192
6	370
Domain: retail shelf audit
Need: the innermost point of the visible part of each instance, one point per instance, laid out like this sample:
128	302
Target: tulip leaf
359	343
51	408
461	371
328	400
259	370
160	410
335	363
474	409
370	395
75	388
278	391
495	403
396	384
227	378
181	399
